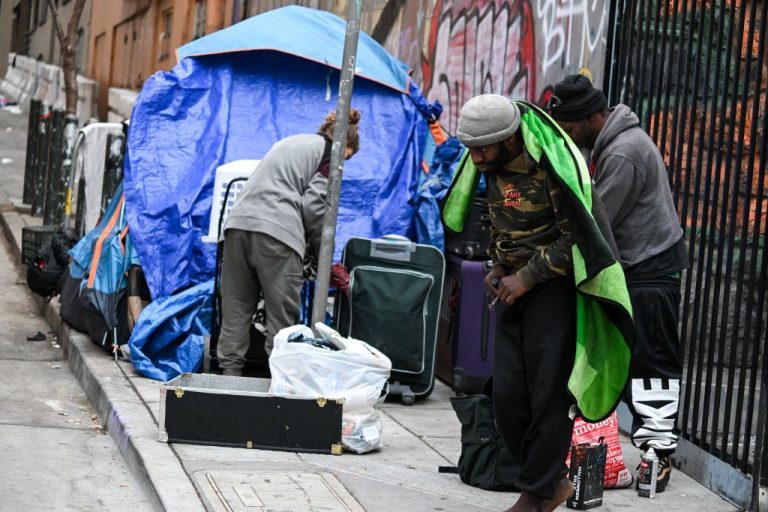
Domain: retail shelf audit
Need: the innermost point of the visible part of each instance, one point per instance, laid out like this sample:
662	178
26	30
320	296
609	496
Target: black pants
535	350
653	391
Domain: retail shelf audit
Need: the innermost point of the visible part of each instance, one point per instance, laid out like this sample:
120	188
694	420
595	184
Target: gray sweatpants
253	263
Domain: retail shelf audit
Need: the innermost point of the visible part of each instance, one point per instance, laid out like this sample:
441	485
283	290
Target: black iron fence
696	72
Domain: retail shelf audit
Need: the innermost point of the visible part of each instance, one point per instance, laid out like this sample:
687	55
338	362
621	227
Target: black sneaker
663	476
665	472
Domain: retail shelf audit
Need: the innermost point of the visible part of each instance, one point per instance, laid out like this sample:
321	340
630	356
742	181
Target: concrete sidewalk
401	476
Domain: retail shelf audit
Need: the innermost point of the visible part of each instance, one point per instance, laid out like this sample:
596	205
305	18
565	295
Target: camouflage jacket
531	232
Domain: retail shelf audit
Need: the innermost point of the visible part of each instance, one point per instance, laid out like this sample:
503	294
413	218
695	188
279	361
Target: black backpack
62	241
485	461
44	272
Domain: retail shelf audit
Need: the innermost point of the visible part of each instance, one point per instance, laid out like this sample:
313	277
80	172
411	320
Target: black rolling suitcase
395	287
473	242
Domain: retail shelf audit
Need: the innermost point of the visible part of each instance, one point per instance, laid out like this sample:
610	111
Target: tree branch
56	24
74	20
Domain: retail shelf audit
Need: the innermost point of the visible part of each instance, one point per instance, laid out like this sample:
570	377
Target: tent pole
337	162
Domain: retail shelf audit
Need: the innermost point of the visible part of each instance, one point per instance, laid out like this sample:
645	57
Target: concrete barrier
28	78
120	103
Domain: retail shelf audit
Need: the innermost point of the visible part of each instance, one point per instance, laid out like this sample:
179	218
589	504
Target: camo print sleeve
555	259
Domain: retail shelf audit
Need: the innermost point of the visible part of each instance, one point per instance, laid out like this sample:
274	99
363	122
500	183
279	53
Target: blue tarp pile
231	96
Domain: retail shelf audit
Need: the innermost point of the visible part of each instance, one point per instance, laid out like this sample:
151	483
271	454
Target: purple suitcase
468	327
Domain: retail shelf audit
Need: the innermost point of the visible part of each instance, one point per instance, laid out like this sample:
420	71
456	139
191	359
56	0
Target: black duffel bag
46	270
485	461
44	273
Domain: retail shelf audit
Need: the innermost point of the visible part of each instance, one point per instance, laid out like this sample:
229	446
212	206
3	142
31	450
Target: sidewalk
401	476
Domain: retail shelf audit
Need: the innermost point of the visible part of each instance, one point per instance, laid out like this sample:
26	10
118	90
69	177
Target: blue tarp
306	33
169	336
228	103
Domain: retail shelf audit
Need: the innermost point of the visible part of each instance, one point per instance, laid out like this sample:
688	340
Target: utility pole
325	258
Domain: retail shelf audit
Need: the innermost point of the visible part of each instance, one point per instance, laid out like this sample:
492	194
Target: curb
127	420
125	416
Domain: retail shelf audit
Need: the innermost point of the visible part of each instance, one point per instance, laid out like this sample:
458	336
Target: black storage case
239	412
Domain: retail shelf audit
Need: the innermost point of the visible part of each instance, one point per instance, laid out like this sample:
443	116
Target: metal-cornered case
240	412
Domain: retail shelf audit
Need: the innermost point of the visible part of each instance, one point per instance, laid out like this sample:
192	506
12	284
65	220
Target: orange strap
437	132
122	238
100	242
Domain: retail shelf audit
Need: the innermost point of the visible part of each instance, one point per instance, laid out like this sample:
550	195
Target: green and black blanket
604	313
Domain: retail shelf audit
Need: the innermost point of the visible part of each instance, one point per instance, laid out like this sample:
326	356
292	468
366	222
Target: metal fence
695	72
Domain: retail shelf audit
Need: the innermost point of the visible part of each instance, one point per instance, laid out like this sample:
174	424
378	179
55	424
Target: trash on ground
39	336
6	161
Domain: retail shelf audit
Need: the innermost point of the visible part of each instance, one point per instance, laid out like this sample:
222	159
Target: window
43	11
200	18
35	4
246	10
166	24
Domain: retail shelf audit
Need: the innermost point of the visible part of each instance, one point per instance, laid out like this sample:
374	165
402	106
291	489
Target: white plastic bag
356	372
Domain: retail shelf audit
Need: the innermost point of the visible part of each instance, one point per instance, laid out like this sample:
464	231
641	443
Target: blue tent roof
321	40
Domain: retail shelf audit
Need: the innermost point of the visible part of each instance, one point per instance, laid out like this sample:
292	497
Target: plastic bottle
646	477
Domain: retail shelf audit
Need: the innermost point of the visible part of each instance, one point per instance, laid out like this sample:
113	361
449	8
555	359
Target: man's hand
510	288
493	278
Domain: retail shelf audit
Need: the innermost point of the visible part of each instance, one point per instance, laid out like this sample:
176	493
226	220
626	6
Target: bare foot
563	490
527	502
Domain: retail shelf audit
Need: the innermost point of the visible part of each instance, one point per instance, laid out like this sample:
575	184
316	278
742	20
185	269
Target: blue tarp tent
231	96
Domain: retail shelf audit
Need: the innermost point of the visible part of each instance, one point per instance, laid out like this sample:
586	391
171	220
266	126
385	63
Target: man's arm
619	183
313	210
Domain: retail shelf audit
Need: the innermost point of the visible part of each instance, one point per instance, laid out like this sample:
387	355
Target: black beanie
575	99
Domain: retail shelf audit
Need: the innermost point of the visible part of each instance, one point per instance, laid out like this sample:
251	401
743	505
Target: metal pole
69	135
337	162
41	160
113	167
33	132
53	176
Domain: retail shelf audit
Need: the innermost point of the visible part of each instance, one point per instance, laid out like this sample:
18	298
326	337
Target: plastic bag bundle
334	367
617	476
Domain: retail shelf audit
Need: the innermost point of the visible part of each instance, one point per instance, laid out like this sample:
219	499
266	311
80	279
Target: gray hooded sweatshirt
632	182
272	200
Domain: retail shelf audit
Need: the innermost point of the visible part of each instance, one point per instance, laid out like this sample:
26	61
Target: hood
621	119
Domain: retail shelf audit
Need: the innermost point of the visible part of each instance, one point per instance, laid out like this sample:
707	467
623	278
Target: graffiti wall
517	48
460	48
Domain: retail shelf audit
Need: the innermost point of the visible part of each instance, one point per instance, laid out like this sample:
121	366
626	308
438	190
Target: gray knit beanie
487	119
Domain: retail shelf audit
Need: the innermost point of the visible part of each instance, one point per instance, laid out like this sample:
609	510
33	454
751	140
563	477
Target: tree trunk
68	44
70	79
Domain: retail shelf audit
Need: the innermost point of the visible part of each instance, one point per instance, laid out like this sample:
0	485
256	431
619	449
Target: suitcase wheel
404	391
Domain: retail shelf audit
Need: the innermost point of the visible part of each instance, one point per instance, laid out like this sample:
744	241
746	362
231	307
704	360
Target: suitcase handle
394	249
484	328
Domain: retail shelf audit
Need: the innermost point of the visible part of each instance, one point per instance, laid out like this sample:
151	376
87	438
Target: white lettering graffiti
570	31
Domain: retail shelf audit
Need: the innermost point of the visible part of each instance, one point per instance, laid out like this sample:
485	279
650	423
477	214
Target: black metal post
337	162
53	176
113	167
64	163
41	160
33	132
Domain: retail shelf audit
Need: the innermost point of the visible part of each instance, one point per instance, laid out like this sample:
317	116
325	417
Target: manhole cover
275	491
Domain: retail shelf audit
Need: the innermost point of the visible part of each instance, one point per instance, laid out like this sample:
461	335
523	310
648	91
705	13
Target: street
55	454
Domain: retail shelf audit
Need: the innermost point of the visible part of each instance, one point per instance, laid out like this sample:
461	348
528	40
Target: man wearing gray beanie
630	177
532	280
